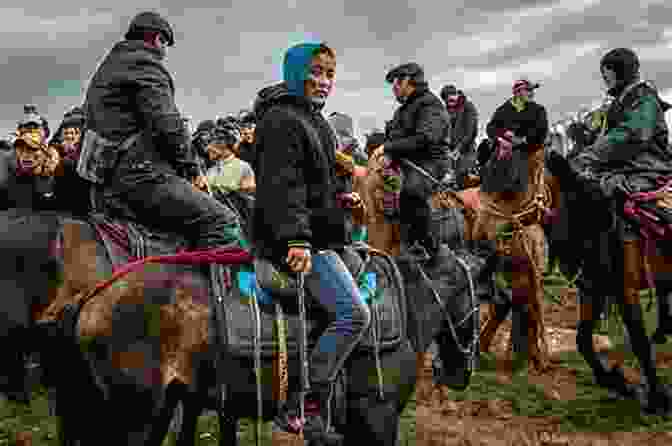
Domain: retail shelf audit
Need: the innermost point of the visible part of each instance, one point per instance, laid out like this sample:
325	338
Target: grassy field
590	411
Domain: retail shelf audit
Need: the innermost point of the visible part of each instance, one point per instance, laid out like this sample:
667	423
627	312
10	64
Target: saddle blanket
379	279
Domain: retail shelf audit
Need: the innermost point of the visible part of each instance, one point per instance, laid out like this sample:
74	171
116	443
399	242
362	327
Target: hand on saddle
298	260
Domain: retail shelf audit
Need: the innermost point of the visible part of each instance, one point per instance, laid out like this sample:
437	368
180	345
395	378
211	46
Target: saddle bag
100	156
385	295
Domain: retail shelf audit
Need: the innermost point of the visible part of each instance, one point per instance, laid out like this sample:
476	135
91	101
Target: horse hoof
659	337
658	401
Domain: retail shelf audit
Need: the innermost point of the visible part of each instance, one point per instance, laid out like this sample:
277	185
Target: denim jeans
333	288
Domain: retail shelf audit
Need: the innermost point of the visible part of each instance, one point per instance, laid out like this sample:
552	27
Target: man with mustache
298	224
418	132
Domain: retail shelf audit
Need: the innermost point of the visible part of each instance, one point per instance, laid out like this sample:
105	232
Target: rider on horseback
418	133
297	213
463	129
518	127
136	147
631	155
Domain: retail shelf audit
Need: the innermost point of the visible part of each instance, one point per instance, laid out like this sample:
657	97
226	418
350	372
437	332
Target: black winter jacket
464	128
296	179
419	129
132	91
531	122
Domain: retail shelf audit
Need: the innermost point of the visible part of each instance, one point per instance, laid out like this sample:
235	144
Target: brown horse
137	348
485	213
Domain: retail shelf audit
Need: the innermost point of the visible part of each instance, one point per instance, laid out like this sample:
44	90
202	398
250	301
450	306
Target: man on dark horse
297	214
631	156
463	130
418	132
136	148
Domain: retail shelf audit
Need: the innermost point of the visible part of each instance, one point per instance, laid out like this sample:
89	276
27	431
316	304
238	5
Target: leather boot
316	427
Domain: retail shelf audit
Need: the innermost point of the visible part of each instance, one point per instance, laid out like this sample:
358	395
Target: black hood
276	94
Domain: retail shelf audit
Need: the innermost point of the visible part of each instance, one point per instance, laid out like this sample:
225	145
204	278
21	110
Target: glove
504	149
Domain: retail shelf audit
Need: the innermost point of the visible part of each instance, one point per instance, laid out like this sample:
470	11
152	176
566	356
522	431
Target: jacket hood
269	96
295	66
279	93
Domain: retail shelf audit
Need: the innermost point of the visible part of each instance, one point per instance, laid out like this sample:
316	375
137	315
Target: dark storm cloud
227	50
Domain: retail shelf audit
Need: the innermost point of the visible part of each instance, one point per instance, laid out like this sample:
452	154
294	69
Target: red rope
228	256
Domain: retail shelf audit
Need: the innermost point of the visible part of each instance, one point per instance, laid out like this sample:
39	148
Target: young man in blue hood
297	214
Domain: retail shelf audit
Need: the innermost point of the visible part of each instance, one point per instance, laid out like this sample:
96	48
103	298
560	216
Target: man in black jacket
463	130
518	127
297	212
136	144
418	132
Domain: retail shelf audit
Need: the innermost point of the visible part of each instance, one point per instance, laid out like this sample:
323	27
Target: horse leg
377	422
664	310
191	409
498	314
657	398
164	416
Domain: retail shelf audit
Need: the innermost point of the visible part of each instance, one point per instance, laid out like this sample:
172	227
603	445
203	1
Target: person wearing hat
418	132
248	124
137	146
631	155
517	128
463	130
228	172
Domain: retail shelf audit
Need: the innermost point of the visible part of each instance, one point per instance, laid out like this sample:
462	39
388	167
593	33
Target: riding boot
317	421
317	429
664	308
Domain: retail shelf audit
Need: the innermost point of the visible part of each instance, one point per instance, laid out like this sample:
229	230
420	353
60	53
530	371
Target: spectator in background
228	173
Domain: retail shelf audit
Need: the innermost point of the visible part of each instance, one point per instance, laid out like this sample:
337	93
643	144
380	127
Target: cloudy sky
226	50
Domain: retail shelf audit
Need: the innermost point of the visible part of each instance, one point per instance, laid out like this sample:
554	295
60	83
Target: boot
315	428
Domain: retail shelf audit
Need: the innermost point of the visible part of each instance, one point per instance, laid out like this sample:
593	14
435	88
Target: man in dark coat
136	146
463	130
297	212
418	132
517	127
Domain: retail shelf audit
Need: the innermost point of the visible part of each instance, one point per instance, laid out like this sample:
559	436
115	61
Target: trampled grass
589	411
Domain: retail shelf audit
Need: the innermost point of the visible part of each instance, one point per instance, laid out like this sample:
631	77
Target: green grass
590	411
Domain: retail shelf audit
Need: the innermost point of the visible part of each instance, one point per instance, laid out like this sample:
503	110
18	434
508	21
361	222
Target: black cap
151	21
411	70
448	90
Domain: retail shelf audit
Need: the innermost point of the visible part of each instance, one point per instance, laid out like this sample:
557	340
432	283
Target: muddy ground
442	421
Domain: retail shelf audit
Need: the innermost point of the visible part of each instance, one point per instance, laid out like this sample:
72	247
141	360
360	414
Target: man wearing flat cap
417	132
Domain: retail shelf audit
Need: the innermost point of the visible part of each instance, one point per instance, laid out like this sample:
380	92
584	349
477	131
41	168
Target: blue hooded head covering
296	65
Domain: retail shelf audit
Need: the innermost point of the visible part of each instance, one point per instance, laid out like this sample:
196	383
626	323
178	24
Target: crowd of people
139	161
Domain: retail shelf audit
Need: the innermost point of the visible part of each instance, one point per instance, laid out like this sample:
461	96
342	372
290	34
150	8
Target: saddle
126	241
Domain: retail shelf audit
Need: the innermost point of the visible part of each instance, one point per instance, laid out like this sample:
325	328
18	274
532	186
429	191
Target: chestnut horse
485	215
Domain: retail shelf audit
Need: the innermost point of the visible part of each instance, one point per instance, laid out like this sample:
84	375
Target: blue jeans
333	288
